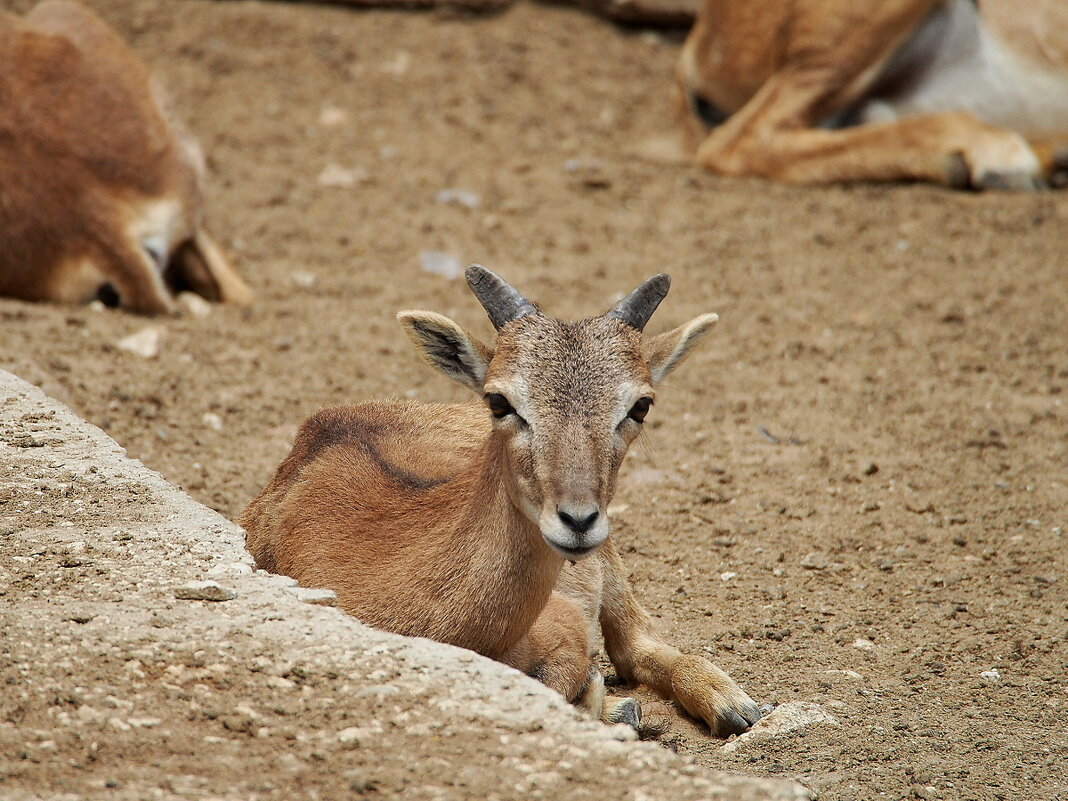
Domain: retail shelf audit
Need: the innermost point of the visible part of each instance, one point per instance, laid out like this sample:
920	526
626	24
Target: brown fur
776	71
91	170
443	522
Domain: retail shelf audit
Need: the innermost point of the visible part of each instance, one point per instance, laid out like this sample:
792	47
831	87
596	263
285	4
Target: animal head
566	398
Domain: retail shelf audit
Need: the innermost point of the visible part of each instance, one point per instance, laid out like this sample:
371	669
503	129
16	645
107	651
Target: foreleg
641	656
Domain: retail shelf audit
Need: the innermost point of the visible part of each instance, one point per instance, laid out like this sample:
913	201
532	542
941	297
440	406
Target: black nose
578	520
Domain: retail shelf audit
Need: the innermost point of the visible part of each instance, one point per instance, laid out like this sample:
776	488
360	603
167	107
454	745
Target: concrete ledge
118	683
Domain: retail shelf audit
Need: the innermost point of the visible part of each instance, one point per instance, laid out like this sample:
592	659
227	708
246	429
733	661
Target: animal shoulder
418	445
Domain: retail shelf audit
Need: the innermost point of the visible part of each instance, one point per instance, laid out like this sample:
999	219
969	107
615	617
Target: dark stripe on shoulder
332	427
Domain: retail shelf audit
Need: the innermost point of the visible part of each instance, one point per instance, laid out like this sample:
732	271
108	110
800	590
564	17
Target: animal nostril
581	522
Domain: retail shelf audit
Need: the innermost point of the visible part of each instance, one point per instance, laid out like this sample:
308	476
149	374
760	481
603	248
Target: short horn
637	307
500	299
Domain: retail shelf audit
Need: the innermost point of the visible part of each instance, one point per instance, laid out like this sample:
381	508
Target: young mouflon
485	525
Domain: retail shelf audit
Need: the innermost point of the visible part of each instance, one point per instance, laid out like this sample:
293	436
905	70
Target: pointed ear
665	351
448	347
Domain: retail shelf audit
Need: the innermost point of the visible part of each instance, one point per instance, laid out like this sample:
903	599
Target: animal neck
498	570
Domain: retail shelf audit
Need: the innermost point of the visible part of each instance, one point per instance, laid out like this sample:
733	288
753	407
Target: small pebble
332	117
815	561
304	280
438	263
353	735
459	197
334	176
79	616
314	596
863	644
204	591
992	676
230	569
145	343
193	304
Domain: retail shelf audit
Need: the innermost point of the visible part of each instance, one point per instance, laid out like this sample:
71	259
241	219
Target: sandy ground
855	494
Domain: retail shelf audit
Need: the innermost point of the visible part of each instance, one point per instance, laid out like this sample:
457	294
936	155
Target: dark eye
640	409
499	405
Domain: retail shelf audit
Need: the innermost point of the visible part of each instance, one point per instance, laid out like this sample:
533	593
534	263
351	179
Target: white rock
815	561
335	176
230	569
727	576
314	596
204	591
992	676
863	644
193	304
144	723
144	343
212	421
438	263
459	197
353	735
332	117
304	280
784	719
850	674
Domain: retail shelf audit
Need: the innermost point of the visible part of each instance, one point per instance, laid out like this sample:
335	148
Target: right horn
637	307
501	300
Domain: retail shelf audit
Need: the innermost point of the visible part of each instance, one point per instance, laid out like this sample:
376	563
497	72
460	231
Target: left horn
637	307
501	300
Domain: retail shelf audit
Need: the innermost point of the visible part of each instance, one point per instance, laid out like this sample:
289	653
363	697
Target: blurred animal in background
100	189
957	92
485	525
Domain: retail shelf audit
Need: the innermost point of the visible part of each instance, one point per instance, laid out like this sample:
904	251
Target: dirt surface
855	494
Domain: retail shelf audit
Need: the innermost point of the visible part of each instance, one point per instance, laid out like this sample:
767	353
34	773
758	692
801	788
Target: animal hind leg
641	656
949	148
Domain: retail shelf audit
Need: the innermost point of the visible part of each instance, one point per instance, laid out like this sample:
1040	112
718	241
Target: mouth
573	554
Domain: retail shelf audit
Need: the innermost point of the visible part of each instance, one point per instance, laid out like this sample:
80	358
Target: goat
100	190
954	92
485	525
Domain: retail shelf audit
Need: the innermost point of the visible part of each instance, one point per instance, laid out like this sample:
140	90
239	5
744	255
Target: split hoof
626	711
737	720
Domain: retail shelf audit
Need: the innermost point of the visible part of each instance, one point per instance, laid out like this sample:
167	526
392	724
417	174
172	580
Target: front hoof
626	711
736	719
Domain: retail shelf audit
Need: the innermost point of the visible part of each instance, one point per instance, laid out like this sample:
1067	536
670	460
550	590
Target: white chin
572	546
